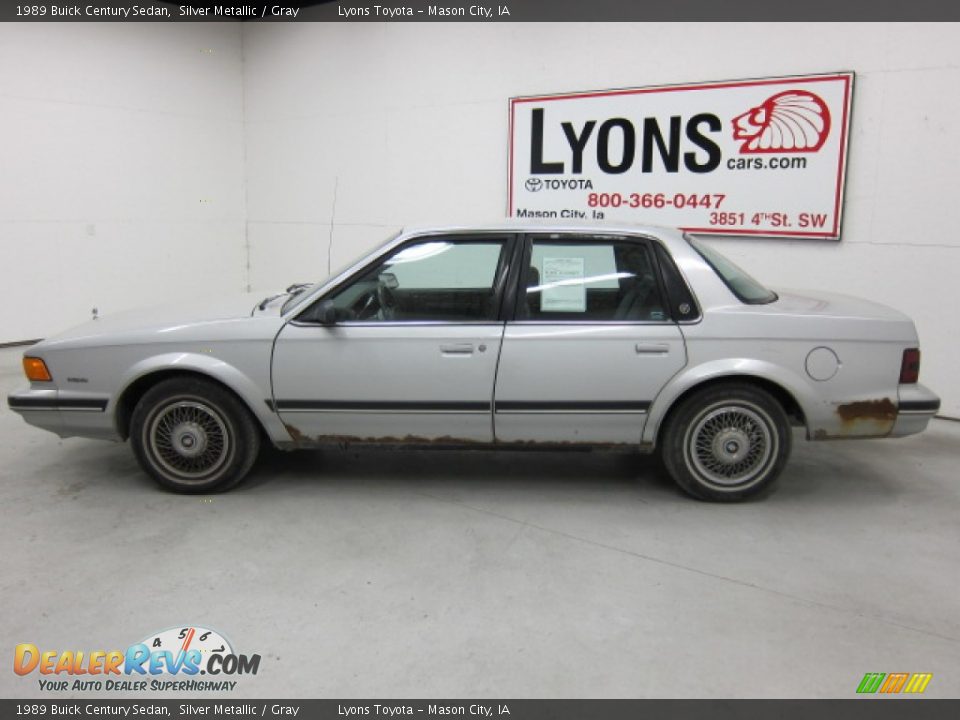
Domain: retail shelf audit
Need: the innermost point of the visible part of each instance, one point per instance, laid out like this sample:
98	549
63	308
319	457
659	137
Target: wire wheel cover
189	440
731	445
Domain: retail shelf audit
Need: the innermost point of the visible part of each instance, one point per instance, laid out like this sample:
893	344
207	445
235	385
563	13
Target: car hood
171	317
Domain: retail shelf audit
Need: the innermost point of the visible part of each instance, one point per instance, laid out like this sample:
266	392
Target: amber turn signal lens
36	369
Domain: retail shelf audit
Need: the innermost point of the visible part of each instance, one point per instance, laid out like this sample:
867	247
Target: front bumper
65	414
917	407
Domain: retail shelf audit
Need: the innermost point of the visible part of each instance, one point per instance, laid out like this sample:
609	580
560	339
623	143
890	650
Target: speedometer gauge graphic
183	639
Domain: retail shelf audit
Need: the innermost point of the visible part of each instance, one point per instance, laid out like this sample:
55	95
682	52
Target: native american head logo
794	121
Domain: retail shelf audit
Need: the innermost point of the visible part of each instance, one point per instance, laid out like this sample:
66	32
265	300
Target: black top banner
492	709
482	11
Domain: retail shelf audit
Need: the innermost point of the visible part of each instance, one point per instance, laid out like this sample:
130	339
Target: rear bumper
65	414
916	409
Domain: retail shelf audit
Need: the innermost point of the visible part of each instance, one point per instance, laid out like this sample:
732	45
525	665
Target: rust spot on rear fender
879	410
861	419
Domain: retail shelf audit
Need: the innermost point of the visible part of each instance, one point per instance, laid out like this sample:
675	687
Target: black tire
726	443
193	436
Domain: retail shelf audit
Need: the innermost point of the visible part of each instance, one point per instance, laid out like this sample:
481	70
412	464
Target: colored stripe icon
894	683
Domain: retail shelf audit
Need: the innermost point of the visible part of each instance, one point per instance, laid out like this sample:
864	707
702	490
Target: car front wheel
193	436
727	443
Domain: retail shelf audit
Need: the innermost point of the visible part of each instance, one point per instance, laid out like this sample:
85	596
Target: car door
591	344
411	355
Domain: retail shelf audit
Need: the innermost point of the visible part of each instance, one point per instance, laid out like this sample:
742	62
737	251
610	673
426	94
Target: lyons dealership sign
751	157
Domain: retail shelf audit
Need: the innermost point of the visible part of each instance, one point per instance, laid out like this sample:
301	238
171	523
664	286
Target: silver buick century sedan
501	336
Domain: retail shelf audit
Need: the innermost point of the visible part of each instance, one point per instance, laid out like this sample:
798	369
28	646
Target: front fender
733	368
238	381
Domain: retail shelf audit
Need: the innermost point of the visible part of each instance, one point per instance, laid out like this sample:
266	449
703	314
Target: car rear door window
593	280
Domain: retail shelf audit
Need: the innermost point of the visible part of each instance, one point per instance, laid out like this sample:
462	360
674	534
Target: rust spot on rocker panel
303	440
391	440
298	437
563	445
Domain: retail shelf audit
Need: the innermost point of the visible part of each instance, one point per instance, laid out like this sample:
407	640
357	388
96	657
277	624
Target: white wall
121	169
140	163
409	122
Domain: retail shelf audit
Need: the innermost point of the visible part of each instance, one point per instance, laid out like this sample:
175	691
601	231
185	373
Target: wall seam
244	185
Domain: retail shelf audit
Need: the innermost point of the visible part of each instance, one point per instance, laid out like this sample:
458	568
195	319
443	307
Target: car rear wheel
193	436
727	443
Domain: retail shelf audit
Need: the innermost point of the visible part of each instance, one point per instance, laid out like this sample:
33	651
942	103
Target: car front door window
435	280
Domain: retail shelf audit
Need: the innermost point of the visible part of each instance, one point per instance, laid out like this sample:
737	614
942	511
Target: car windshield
740	283
305	292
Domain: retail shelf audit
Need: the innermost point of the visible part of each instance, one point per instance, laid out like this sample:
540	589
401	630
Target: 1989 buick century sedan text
502	336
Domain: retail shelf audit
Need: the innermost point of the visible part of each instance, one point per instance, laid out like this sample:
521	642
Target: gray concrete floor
508	575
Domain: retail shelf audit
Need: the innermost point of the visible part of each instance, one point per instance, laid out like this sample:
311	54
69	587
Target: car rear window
740	283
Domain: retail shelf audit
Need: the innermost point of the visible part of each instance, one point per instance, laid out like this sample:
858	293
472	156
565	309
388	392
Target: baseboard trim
19	343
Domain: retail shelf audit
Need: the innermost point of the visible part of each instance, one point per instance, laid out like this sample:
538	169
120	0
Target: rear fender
742	369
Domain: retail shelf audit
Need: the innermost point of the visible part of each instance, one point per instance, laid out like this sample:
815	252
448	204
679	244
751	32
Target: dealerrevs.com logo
894	683
168	660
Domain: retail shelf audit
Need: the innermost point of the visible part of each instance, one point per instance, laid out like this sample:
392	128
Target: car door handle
651	348
457	349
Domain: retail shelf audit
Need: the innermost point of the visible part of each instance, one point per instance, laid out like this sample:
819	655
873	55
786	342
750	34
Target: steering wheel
368	306
387	301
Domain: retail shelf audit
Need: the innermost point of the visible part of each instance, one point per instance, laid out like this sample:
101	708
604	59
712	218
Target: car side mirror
327	313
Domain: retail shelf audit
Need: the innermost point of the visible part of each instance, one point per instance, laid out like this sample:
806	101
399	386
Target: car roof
672	238
567	226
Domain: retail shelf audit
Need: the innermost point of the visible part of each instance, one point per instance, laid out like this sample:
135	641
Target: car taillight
910	367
